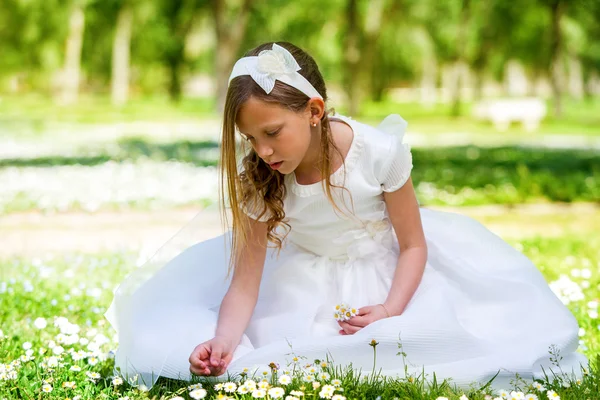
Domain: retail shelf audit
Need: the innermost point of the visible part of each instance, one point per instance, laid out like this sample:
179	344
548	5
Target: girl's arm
239	302
405	216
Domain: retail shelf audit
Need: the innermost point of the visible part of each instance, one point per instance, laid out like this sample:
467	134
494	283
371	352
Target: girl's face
280	137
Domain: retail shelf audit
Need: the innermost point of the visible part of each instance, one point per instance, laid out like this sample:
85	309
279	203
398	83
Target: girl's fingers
350	329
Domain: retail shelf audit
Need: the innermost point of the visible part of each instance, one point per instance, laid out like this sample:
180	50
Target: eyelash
249	138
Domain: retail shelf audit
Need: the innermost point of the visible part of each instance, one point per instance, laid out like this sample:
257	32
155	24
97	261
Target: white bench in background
502	112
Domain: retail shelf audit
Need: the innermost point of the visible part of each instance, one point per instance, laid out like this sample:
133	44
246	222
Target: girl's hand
365	316
212	357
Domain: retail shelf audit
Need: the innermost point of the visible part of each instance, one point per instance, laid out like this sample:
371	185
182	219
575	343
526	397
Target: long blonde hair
258	187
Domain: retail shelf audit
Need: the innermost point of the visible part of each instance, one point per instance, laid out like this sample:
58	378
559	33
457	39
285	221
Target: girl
324	212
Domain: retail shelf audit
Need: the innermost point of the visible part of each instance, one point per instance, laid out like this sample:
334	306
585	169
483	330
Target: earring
315	124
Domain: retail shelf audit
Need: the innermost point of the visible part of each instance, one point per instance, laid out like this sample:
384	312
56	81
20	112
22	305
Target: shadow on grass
508	174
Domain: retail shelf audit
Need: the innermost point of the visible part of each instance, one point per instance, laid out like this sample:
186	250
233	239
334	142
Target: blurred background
110	119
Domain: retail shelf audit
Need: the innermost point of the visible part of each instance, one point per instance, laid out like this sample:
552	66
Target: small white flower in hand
343	312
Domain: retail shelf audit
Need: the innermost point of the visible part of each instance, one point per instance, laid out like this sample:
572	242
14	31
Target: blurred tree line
63	47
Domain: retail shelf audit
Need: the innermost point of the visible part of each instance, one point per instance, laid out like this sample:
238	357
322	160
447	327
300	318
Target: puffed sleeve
397	165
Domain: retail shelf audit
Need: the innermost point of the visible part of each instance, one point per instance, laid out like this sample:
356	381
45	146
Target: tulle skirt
481	309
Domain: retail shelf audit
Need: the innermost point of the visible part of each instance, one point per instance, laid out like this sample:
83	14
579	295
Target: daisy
75	368
250	384
230	387
285	380
297	393
70	385
195	386
276	393
197	394
117	380
463	397
324	376
308	378
259	393
40	323
503	393
243	389
552	395
539	386
338	397
316	385
263	385
46	388
531	397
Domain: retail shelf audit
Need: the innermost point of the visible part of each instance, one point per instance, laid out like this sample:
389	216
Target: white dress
481	308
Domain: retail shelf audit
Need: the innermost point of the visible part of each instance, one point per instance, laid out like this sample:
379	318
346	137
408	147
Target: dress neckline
337	177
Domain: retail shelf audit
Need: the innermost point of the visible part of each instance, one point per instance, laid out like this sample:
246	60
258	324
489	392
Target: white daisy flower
503	393
117	380
539	386
69	385
250	384
323	364
338	397
47	388
27	345
297	393
463	397
75	368
197	394
284	380
93	375
230	387
552	395
259	393
531	397
264	385
517	395
243	389
316	385
308	378
93	360
40	323
276	393
324	376
195	386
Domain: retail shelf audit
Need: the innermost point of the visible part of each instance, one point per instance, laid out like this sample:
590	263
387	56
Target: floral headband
269	65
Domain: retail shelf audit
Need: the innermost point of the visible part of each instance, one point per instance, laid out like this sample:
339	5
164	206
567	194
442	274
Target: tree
121	54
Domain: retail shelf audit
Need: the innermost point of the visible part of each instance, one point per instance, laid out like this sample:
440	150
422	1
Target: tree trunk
229	35
429	81
556	10
461	44
352	58
72	65
373	24
120	56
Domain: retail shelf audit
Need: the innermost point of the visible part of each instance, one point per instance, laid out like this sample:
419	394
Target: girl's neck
309	171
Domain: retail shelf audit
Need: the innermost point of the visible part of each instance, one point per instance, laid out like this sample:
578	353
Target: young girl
324	212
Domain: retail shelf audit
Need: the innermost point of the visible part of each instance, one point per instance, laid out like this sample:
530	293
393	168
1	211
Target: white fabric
481	307
275	64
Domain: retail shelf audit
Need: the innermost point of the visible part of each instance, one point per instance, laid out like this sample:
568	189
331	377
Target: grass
132	172
79	288
30	115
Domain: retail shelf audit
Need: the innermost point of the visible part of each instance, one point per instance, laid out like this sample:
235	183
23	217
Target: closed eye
273	133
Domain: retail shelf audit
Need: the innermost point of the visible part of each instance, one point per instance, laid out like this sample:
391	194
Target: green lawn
79	288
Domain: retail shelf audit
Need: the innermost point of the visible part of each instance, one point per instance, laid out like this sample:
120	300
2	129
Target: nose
263	150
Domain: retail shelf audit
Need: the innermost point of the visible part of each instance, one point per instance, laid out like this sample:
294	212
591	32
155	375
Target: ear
315	108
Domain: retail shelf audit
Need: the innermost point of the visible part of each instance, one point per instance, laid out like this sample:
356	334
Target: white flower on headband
272	64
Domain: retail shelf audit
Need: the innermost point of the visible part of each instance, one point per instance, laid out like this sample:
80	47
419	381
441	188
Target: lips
275	165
